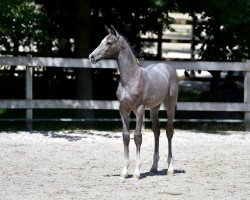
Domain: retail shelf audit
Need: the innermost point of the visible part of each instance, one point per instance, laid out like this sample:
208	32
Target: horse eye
109	43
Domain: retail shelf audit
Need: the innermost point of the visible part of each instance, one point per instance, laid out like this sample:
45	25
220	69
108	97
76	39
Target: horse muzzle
92	59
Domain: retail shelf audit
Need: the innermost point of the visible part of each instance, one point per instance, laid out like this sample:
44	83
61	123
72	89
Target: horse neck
127	64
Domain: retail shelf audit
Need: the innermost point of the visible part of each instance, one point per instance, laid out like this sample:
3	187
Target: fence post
29	96
247	95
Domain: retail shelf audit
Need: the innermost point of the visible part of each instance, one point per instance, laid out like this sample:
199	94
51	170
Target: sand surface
86	165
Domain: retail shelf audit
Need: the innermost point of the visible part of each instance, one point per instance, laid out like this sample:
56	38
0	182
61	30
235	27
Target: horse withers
139	89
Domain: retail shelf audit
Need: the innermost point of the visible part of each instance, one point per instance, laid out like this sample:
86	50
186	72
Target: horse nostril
92	58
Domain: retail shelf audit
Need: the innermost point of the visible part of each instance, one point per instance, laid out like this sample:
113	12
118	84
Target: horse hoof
136	176
170	173
123	176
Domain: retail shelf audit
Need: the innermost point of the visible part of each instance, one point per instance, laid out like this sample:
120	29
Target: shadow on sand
73	136
148	174
162	172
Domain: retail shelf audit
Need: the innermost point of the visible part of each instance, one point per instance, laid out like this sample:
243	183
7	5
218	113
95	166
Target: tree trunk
84	76
159	41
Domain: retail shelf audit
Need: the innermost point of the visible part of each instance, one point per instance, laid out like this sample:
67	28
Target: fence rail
111	64
114	105
29	103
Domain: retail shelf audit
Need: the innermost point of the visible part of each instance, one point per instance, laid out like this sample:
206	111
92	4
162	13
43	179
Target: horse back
161	72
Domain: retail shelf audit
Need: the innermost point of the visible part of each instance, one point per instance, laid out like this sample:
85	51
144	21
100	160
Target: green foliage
226	28
46	27
226	24
129	17
22	23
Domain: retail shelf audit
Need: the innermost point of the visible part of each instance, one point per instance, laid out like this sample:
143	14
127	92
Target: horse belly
157	90
154	100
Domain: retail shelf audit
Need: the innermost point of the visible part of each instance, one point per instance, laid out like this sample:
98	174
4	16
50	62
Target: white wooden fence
29	103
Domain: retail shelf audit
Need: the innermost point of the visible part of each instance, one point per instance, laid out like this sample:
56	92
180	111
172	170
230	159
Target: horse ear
114	31
107	29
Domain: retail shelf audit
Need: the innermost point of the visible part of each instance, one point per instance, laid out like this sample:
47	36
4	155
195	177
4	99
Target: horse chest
128	96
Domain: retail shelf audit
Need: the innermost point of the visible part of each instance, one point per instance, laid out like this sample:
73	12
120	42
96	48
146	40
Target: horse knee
126	138
138	138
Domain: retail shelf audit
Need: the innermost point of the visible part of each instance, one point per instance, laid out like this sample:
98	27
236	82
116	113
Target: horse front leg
138	140
126	138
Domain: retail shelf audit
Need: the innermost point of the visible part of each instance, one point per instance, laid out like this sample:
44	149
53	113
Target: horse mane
131	47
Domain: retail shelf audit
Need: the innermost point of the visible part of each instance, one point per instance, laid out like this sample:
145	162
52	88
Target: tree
129	17
74	28
71	19
23	27
223	30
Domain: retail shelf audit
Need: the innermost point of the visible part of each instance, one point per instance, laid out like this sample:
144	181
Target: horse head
108	48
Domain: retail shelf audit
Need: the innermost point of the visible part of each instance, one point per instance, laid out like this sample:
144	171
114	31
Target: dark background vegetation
62	28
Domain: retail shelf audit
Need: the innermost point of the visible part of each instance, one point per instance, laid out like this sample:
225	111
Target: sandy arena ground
86	165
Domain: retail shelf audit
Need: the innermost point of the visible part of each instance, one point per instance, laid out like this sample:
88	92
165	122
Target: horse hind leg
156	130
170	103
